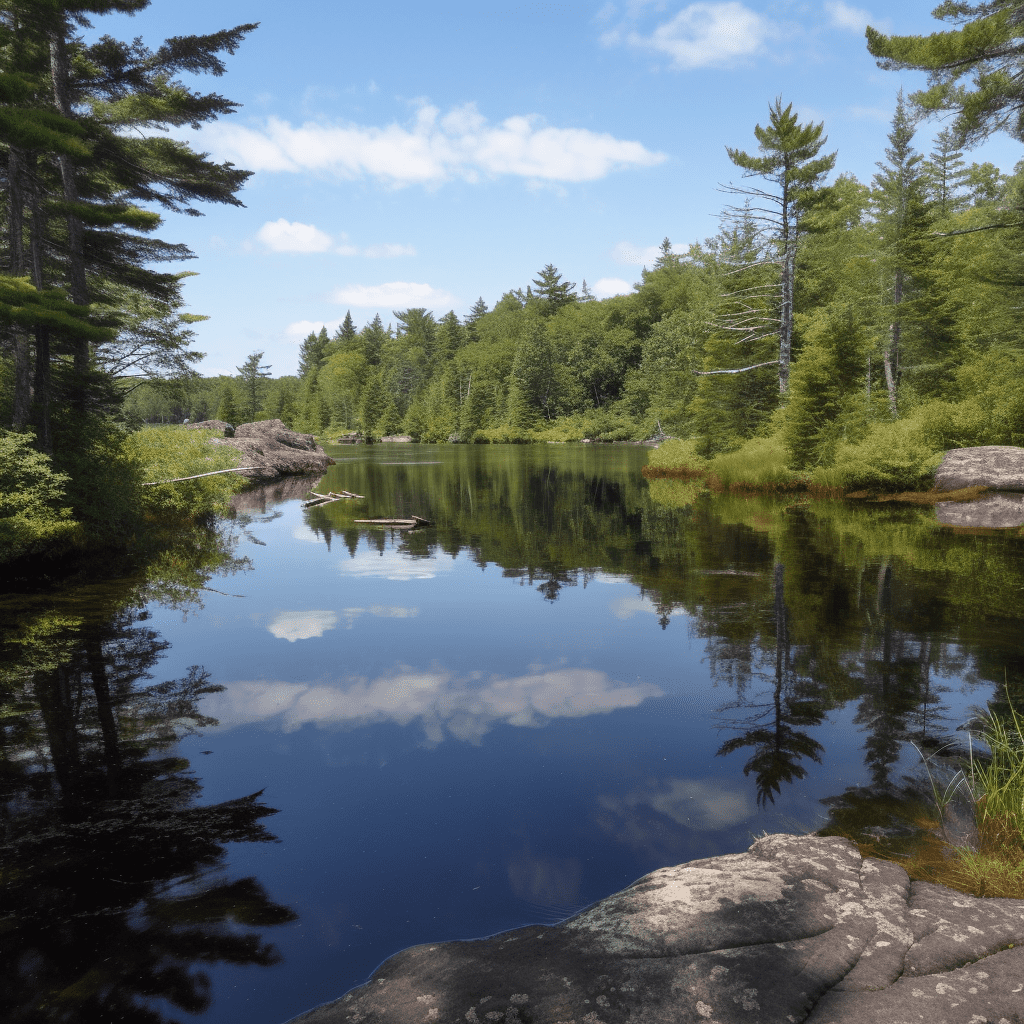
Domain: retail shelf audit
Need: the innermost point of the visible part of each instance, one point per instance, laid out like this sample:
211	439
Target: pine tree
902	219
945	175
666	257
345	336
251	377
552	292
789	161
477	310
313	352
989	48
227	410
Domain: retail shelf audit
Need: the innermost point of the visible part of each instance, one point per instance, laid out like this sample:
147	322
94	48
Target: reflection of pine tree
776	728
107	886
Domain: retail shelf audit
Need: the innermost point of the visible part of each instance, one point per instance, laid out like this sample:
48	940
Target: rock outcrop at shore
273	450
795	929
1000	467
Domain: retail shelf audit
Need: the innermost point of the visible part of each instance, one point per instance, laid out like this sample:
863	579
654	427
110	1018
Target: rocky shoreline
797	928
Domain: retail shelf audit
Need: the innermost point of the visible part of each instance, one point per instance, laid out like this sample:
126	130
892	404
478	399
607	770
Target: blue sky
411	154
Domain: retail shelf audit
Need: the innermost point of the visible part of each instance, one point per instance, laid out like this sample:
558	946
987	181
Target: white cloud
854	19
606	287
693	803
703	35
462	144
292	626
291	236
393	295
466	709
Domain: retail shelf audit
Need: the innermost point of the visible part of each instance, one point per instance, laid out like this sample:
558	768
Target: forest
833	331
832	325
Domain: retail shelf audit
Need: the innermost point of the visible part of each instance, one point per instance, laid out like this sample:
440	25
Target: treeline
830	323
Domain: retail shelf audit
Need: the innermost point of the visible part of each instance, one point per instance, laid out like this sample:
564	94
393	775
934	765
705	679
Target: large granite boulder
1000	467
795	929
272	450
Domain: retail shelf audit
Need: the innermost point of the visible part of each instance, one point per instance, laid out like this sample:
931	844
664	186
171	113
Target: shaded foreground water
234	784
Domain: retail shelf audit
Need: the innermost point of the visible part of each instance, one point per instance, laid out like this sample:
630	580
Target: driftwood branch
742	369
180	479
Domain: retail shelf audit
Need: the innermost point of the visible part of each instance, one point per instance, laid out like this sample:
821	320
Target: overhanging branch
742	369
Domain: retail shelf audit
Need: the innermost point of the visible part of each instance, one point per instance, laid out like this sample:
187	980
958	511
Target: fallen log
181	479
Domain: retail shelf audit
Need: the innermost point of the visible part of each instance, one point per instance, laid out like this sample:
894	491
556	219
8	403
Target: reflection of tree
776	729
110	891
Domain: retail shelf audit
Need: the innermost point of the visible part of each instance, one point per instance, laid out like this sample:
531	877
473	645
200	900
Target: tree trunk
22	355
60	74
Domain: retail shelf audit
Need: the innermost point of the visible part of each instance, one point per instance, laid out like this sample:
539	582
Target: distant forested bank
834	327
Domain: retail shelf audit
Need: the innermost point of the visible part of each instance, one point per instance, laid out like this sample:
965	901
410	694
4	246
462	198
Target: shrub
761	464
893	457
167	453
35	514
677	455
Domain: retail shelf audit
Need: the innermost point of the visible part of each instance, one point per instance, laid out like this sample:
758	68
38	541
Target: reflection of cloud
393	565
378	611
627	607
693	803
547	881
292	626
303	532
464	708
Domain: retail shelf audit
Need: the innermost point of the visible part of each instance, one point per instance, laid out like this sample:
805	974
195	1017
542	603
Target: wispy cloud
432	149
702	35
606	287
393	295
692	803
446	705
292	236
853	19
296	333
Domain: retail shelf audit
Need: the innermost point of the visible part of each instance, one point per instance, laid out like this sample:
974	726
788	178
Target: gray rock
992	512
795	929
220	426
274	450
1000	467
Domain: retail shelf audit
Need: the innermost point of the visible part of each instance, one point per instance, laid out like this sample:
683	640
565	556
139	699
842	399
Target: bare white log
180	479
742	369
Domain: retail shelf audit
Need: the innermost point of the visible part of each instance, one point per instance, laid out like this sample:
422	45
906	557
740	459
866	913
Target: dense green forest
833	322
832	329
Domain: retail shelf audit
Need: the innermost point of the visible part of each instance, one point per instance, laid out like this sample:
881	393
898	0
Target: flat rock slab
797	929
993	512
1000	467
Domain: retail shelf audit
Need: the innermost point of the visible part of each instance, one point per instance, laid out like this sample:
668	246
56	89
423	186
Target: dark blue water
491	722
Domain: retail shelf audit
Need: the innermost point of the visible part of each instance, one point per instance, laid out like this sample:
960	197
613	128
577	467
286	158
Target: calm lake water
236	782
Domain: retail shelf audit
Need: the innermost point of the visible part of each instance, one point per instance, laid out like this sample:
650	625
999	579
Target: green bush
35	513
894	456
677	454
167	453
761	463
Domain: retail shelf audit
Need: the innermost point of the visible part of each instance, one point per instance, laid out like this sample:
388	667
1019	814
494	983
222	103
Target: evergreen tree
945	175
552	292
345	336
477	310
313	352
227	410
374	336
899	201
251	379
989	48
666	257
789	161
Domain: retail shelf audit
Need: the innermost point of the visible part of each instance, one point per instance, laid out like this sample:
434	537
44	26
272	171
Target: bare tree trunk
786	318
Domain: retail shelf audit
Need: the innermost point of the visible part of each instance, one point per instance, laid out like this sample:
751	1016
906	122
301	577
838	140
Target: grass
986	858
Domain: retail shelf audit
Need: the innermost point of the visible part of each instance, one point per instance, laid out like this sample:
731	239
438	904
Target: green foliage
227	410
760	463
167	453
35	516
678	454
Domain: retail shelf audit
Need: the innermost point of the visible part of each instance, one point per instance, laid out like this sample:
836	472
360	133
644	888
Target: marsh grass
992	783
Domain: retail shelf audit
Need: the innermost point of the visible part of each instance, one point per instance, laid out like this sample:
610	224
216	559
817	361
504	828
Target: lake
240	777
